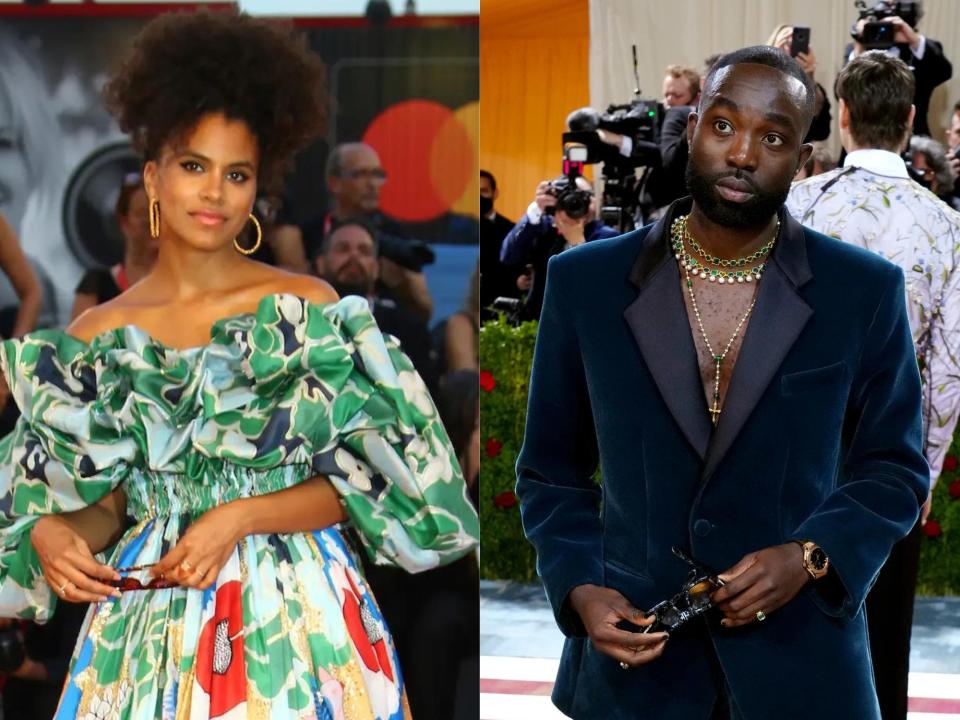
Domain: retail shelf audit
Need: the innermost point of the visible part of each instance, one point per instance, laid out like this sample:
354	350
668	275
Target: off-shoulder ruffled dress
291	391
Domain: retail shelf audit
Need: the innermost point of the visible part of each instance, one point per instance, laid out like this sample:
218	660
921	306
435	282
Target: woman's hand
68	565
196	559
808	61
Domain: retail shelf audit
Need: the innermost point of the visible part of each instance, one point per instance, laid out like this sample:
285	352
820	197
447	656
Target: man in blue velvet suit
750	392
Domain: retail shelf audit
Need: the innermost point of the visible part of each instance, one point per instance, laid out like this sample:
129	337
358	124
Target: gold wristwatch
815	560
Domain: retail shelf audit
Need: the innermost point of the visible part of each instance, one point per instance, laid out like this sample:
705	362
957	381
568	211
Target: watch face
818	559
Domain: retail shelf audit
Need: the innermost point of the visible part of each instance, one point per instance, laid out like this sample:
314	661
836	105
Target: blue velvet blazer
820	438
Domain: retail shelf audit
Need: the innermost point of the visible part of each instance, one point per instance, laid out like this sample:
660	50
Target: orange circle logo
430	155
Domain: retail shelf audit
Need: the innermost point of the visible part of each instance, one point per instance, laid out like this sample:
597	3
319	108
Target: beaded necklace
739	269
679	235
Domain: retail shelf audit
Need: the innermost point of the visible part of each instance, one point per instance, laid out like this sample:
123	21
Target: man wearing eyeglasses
354	178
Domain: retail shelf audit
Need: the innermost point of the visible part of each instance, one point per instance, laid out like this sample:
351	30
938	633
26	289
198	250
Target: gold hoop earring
154	218
256	245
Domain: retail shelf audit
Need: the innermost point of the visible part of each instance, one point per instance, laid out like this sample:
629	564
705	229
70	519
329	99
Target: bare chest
718	317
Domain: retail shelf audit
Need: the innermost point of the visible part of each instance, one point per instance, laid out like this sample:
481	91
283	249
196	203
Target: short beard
754	213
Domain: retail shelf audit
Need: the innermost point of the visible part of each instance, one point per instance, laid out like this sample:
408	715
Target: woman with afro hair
192	454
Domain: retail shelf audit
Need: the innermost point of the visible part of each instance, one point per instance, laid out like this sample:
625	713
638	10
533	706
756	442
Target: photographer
562	215
900	39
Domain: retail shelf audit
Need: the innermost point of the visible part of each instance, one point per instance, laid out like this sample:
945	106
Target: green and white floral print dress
291	391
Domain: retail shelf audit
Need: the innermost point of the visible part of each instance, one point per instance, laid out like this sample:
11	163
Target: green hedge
506	353
940	553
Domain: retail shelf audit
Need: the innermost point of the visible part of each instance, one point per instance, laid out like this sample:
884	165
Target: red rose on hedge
505	499
487	381
494	447
932	529
955	489
950	463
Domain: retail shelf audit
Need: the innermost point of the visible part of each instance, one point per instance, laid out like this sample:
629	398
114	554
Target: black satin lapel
658	320
777	320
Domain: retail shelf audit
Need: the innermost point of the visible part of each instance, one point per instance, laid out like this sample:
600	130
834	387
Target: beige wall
686	31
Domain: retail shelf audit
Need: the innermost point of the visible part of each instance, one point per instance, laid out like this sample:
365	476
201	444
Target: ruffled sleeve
62	455
368	424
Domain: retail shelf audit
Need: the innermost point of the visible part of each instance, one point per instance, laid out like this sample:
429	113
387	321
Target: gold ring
760	616
64	587
624	666
186	565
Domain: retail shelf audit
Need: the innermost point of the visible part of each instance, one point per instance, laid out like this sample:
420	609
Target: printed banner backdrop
412	92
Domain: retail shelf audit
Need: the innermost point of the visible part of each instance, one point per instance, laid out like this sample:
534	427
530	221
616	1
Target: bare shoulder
97	320
306	286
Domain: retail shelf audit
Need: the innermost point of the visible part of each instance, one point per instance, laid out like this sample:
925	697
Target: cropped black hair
778	60
185	65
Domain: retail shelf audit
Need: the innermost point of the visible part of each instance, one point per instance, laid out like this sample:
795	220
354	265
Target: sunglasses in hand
127	583
692	601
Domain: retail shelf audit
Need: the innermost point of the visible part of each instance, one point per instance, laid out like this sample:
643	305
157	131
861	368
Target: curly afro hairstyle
186	65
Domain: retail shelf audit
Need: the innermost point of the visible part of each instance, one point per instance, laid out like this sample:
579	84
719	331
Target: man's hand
954	157
570	229
762	581
525	280
611	138
600	609
544	198
904	33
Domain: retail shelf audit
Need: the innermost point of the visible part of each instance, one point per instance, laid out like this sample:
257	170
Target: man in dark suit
763	416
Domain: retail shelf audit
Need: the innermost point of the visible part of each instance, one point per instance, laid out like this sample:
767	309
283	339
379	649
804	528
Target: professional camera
573	200
639	120
409	253
570	198
879	35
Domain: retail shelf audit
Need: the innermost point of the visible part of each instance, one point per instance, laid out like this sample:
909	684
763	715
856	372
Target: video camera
879	35
640	120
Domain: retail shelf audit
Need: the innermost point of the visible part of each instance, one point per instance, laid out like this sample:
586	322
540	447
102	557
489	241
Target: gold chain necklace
701	268
678	236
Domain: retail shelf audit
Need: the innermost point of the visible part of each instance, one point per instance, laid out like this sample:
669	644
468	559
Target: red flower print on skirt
221	668
365	631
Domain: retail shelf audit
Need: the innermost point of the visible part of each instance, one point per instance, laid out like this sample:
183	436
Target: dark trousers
890	620
435	624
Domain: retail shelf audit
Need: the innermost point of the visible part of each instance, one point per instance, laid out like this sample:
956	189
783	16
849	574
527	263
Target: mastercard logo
430	154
